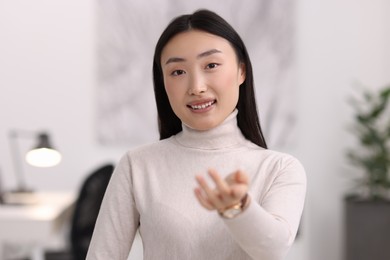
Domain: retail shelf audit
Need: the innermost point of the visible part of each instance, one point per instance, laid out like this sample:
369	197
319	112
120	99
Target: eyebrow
201	55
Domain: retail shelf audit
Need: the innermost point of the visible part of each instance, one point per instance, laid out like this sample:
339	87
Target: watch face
231	213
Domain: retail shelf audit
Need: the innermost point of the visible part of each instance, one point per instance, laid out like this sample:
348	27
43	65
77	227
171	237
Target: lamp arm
43	142
18	165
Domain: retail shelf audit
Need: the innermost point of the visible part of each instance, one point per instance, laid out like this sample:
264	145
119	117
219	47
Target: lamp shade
43	155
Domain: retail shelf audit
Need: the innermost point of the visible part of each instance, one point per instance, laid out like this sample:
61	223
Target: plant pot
367	225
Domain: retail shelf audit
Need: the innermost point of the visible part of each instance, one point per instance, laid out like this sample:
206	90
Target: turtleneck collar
225	135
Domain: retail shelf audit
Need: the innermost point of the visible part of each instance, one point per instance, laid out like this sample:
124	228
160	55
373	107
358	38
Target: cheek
230	87
174	91
229	82
169	87
170	93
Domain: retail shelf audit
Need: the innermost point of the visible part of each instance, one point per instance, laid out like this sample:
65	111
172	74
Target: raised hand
227	192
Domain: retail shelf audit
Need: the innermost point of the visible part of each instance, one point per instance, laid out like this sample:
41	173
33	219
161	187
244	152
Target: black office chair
85	214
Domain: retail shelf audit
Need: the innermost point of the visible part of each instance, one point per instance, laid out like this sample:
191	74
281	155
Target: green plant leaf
372	129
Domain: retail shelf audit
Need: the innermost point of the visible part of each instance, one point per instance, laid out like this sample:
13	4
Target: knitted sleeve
118	218
267	228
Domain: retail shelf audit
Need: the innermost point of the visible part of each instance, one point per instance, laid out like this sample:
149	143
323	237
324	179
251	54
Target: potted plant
368	209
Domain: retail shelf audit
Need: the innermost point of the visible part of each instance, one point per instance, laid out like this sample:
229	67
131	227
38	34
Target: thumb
241	177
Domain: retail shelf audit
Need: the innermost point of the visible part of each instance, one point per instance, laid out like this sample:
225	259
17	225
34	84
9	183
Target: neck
225	135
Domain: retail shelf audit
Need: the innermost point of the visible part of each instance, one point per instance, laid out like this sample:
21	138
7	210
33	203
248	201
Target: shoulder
283	158
148	150
142	155
284	163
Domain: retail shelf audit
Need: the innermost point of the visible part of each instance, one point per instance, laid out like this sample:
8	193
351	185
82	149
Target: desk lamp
42	155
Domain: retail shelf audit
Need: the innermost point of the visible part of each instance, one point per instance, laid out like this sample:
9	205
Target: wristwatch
234	210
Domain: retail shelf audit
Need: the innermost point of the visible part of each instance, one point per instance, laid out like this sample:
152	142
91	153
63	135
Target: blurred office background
49	77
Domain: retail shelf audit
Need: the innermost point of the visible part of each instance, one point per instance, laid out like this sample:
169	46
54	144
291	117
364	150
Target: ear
241	73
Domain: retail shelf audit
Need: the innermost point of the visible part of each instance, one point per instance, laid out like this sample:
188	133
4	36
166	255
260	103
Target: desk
36	223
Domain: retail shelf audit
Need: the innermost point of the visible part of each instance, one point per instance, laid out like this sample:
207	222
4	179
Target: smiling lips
202	106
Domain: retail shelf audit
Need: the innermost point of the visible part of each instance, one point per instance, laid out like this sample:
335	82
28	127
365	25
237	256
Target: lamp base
19	197
21	191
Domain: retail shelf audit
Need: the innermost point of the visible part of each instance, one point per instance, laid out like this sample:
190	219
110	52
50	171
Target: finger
241	177
211	195
202	200
239	191
221	185
237	177
203	184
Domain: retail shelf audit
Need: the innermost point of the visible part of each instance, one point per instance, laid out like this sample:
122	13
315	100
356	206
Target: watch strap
234	210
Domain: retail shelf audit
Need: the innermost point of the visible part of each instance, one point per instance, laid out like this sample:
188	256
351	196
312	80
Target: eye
212	66
177	72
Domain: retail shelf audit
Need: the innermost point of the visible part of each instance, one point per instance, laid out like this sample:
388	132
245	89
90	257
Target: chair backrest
87	209
1	189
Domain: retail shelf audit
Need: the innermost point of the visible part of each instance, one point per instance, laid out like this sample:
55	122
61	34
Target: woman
209	189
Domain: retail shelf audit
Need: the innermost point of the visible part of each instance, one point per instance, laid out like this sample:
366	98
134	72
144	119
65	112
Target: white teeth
203	106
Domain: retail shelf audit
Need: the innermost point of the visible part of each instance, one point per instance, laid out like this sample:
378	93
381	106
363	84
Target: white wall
47	81
340	43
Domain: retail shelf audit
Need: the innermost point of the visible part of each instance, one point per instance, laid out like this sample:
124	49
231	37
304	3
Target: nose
196	85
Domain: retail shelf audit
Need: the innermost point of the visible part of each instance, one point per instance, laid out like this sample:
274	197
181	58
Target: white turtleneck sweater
152	189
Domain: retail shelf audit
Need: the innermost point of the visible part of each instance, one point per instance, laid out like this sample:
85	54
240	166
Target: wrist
236	209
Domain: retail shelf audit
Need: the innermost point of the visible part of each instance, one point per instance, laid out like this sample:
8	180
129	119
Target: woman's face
202	78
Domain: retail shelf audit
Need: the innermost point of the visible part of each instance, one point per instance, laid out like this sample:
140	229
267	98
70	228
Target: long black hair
204	20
